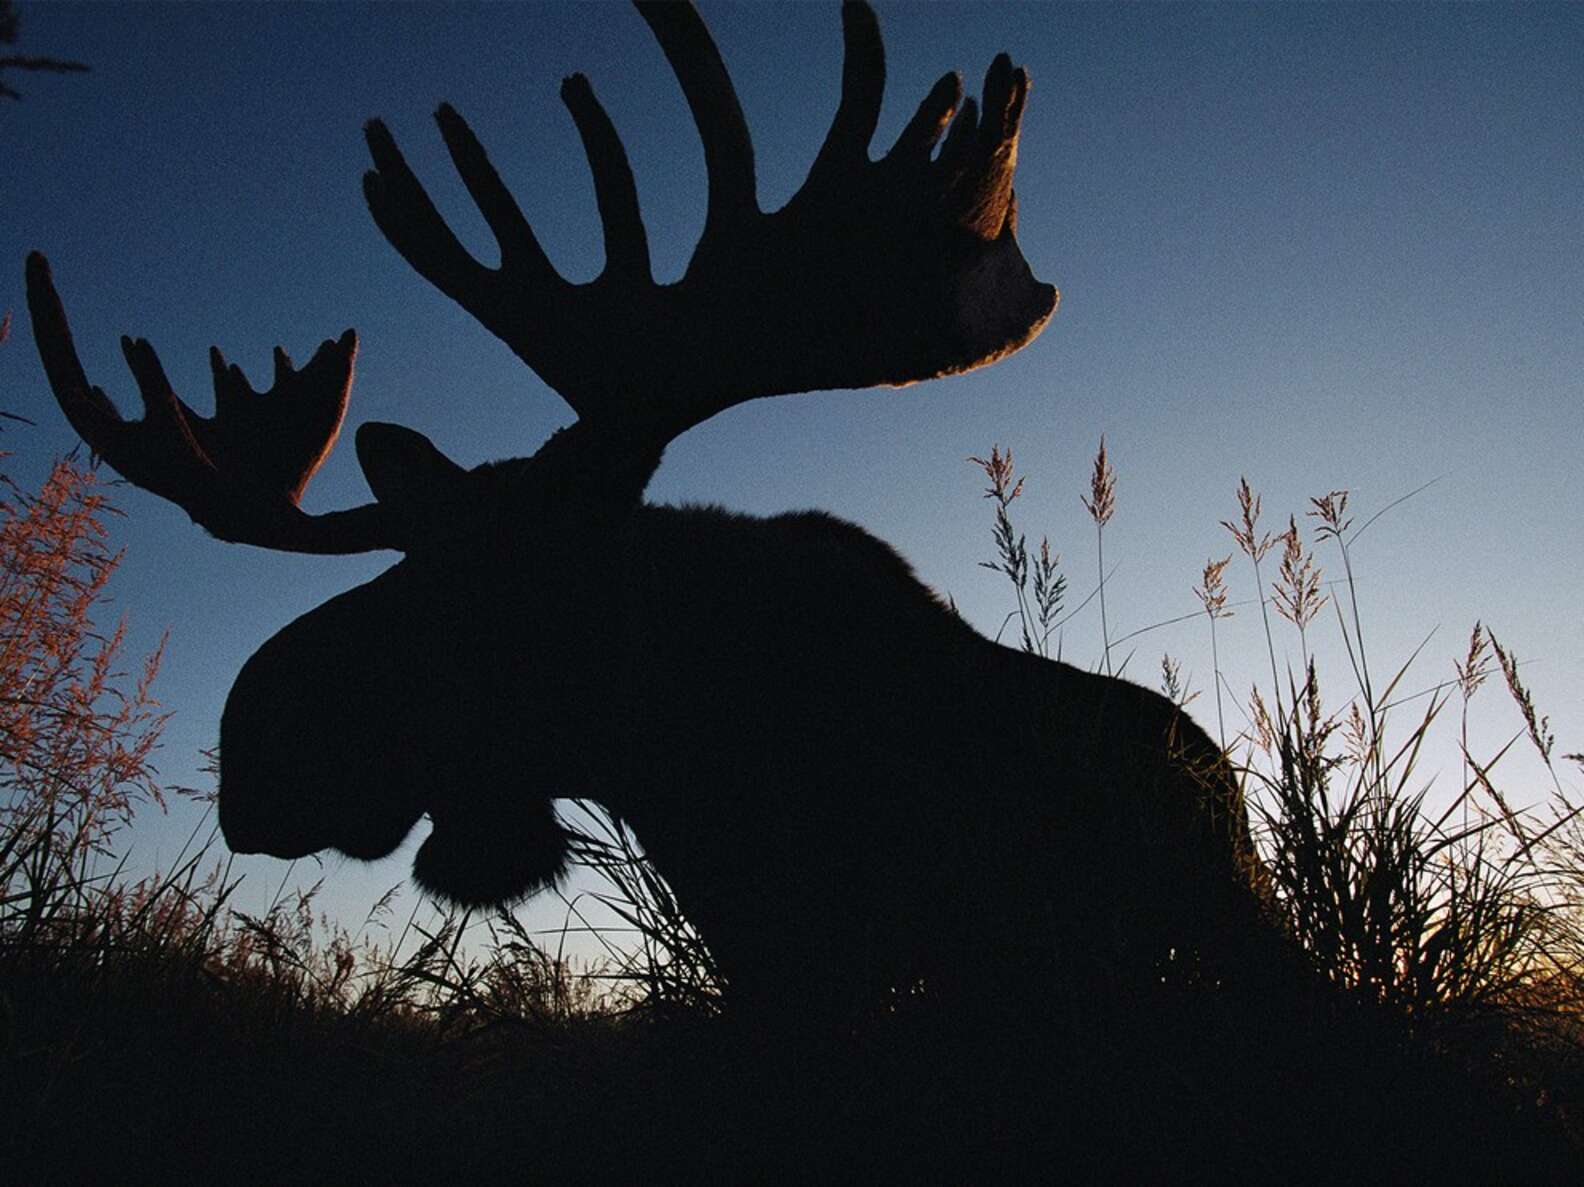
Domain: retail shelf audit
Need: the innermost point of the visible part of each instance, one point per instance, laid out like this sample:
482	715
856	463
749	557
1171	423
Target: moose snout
267	808
258	814
310	759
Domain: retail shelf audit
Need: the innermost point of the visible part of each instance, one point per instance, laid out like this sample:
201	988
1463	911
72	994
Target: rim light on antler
877	273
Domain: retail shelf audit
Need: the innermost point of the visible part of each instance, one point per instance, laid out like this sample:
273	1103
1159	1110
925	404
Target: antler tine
863	88
961	136
985	203
728	149
924	130
405	214
876	273
288	431
520	250
172	465
238	474
615	192
87	408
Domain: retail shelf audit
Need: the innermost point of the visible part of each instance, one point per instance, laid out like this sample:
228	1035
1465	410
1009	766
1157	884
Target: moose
847	787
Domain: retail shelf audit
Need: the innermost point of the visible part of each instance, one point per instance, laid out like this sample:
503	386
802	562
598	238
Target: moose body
848	787
842	781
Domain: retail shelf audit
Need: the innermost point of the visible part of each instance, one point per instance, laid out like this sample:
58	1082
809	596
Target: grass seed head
1246	531
1539	727
1003	486
1475	667
1211	590
1101	501
1297	588
1331	510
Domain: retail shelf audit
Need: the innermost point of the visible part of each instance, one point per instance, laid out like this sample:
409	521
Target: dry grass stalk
1212	594
75	743
1246	531
1101	505
1172	685
1101	500
1297	586
1538	727
1036	614
1254	545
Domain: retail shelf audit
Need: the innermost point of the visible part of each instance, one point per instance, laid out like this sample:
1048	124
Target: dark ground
161	1078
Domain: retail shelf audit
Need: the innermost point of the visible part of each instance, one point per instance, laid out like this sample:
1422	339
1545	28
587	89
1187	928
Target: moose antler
239	473
876	273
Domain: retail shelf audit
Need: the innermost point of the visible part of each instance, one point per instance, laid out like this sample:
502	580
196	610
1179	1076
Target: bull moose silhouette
841	780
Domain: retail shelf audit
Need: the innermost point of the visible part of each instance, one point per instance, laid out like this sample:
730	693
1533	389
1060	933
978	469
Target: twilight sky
1323	247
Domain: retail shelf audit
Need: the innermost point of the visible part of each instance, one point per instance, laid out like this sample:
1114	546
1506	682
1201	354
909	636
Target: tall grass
1474	908
85	946
1463	922
1465	919
670	967
75	735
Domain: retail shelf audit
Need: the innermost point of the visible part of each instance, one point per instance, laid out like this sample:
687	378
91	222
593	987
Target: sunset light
527	652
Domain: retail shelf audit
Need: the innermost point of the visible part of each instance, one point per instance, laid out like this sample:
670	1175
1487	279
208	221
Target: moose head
791	722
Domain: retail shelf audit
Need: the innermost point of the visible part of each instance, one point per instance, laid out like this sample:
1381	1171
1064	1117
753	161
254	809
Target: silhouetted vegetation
1456	929
1445	1040
1016	927
10	25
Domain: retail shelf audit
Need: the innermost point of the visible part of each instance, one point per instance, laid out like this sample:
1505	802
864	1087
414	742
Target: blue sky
1323	247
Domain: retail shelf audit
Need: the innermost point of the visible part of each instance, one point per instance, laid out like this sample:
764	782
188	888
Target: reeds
1465	920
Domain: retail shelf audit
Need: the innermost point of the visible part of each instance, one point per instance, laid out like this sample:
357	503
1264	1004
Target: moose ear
402	466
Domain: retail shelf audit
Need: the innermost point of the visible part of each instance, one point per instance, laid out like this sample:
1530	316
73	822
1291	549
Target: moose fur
844	783
846	786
